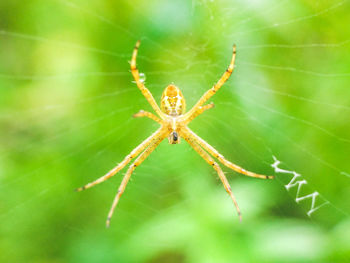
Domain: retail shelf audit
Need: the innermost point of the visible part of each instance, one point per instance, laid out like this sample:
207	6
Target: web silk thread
298	181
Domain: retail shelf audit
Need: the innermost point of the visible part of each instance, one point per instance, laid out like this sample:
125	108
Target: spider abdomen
172	102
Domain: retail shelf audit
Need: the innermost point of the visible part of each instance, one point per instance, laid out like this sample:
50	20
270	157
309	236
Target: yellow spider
173	124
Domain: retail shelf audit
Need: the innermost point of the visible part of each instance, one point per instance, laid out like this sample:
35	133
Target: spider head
172	102
174	138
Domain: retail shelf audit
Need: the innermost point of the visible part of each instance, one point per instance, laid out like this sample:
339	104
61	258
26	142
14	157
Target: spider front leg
126	160
147	114
127	176
140	84
216	87
217	168
220	157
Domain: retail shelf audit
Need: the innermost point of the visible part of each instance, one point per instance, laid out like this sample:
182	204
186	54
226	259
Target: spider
173	122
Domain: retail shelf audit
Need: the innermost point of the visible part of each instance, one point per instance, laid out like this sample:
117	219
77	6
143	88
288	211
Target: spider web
66	106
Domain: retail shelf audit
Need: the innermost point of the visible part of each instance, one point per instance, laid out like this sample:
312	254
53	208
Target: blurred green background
66	101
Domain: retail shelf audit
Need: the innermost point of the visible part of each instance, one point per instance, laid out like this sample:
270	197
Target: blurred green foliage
66	101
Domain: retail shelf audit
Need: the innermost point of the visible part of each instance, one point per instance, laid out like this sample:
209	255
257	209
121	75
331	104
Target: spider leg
221	158
216	87
142	113
217	168
139	83
200	110
154	137
127	176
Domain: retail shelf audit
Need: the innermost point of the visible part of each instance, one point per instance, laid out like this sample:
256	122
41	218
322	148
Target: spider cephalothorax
173	122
